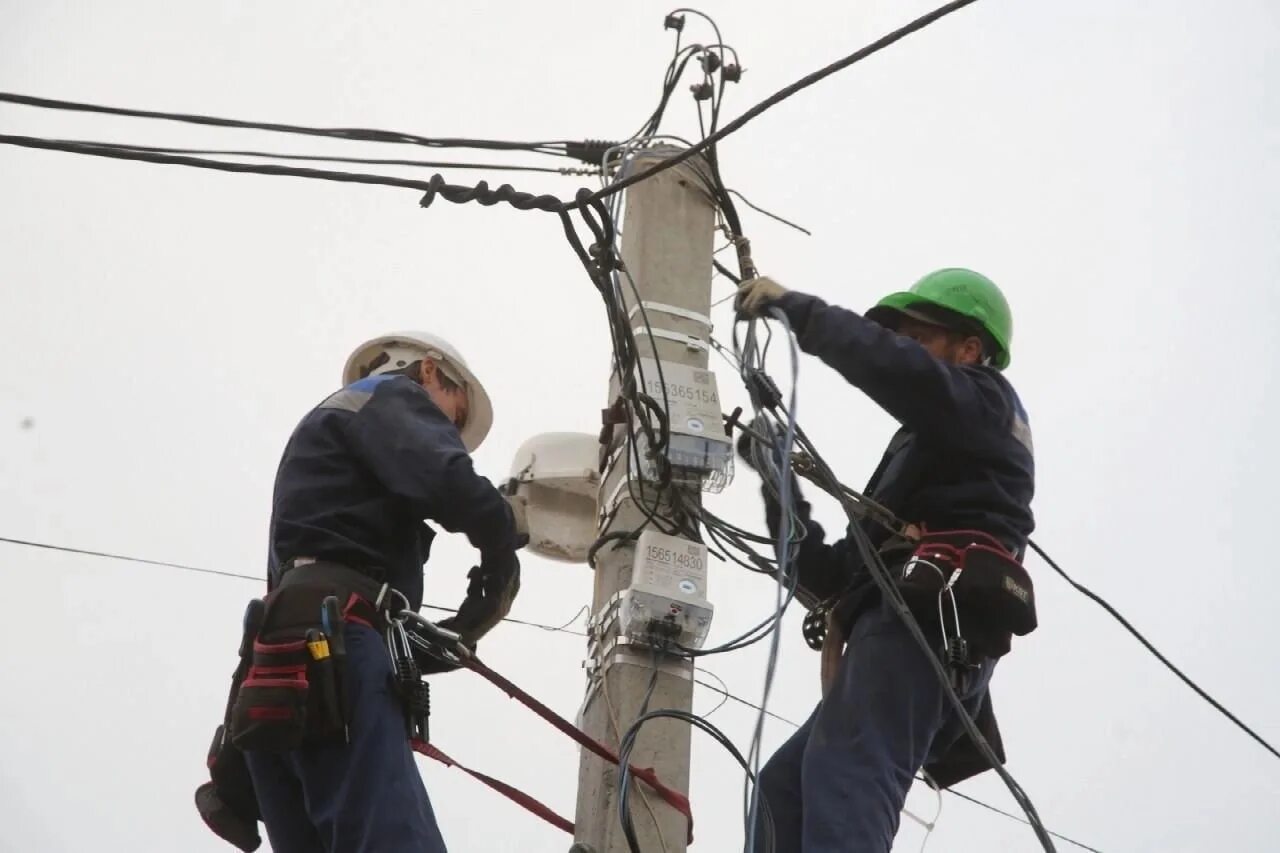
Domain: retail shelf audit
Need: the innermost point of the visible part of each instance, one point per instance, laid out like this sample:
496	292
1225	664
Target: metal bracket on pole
679	337
671	311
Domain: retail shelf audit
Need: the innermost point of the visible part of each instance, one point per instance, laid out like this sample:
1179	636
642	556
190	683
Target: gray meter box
667	599
699	451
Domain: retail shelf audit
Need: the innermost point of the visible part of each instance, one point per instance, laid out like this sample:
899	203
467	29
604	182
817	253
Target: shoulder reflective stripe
348	399
1022	432
369	382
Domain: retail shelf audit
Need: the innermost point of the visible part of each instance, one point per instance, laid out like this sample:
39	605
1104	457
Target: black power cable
433	187
350	133
314	158
1011	816
624	770
1115	614
805	82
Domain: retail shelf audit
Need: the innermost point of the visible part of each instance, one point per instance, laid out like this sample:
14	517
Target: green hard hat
963	295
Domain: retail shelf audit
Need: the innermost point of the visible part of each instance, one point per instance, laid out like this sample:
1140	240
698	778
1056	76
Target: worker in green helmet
961	468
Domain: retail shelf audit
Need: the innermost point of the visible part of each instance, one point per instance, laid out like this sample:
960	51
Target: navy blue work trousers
365	797
839	783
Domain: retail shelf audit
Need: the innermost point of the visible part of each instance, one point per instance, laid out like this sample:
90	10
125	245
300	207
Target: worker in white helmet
360	475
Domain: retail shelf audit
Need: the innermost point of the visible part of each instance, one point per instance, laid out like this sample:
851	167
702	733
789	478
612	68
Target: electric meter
667	600
699	450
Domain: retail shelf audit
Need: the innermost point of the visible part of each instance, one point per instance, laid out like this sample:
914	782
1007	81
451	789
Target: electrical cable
624	786
787	574
1115	614
348	133
1020	819
628	744
617	733
432	187
723	690
773	216
324	158
805	82
255	578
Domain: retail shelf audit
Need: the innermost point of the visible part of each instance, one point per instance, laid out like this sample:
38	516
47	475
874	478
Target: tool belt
293	693
965	583
288	689
983	591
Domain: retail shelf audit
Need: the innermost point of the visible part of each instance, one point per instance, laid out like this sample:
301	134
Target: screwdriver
334	628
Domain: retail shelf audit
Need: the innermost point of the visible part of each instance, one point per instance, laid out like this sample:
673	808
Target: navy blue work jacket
361	473
962	459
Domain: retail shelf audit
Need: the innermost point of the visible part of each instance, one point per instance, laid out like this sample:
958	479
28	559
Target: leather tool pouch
293	693
228	803
281	702
993	592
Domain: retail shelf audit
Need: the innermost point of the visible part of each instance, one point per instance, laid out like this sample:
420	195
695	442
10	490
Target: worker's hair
414	372
985	347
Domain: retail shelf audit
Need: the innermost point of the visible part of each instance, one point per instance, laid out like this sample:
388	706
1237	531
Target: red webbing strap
673	798
514	794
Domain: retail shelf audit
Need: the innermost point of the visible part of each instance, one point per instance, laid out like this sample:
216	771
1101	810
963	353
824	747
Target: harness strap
512	793
673	798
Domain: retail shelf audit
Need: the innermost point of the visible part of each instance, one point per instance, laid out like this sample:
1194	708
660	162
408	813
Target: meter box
700	452
667	600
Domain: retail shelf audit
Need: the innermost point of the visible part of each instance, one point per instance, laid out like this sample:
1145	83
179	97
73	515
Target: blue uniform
961	460
360	474
365	468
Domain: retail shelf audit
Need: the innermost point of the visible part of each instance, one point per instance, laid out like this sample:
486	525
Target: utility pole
667	241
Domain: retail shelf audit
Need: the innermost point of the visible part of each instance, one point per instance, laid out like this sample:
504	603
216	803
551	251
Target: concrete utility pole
667	238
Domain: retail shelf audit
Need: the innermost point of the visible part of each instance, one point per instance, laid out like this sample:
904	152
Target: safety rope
511	792
673	798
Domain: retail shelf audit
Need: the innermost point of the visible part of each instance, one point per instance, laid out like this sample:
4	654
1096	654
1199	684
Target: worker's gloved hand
756	295
493	587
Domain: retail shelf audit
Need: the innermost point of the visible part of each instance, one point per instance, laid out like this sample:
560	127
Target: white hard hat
404	348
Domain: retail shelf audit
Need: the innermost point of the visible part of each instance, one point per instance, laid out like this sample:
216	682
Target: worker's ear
427	372
971	351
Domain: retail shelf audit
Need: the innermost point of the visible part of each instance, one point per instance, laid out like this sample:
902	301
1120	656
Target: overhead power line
781	95
321	158
97	150
1200	691
557	148
1021	819
240	576
586	150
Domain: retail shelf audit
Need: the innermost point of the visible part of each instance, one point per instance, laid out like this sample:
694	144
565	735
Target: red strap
511	793
673	798
958	537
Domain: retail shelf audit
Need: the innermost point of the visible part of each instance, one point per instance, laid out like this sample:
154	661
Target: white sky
1113	166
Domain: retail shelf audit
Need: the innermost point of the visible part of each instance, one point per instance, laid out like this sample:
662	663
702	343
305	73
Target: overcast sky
1115	167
